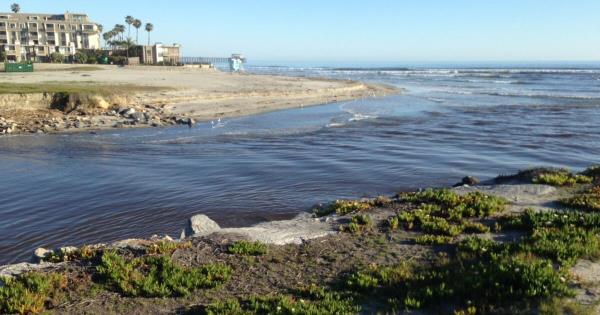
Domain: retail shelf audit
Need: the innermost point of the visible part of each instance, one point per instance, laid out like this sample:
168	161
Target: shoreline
350	236
133	97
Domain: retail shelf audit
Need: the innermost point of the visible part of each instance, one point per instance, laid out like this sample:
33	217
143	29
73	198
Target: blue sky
361	31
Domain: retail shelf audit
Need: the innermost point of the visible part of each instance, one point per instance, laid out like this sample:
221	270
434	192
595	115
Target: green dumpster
18	67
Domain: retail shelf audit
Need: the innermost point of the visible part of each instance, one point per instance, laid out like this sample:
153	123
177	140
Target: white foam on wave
359	117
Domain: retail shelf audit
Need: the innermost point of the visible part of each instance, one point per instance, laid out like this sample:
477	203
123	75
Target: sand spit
62	98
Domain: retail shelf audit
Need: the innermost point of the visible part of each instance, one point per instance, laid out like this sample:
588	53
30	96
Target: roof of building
49	17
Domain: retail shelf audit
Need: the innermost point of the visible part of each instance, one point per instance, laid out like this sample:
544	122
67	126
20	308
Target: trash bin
18	67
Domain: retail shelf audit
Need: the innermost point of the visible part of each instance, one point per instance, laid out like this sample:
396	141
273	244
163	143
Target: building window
63	27
50	26
32	25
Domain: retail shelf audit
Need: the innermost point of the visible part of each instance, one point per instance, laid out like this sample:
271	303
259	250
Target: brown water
77	189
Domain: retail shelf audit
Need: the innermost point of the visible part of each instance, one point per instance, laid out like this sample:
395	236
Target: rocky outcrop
295	231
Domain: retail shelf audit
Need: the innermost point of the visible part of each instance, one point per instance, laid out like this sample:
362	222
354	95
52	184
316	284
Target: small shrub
561	178
153	276
393	223
343	207
592	171
381	201
488	281
57	57
474	227
565	245
439	226
358	224
166	247
30	293
312	301
433	240
247	248
455	206
588	200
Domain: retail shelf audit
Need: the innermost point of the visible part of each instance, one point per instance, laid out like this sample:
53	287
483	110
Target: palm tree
107	37
137	24
15	7
120	29
149	28
129	20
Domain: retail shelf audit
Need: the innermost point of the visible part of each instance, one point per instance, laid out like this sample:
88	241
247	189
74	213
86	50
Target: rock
40	254
127	112
200	225
138	117
468	181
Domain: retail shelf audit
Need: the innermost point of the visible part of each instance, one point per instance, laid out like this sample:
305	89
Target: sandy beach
58	98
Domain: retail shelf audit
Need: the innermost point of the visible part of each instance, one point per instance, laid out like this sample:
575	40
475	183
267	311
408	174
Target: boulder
127	112
468	181
40	254
138	117
200	225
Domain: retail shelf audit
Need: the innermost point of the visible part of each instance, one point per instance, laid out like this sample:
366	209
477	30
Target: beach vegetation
445	213
166	247
549	176
311	301
429	239
358	224
455	206
67	254
487	279
31	293
247	248
561	178
592	171
343	207
157	276
588	200
563	236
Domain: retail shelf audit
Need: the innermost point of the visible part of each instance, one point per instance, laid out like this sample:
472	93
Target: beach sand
166	94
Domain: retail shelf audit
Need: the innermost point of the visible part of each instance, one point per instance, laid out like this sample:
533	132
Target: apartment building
34	37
